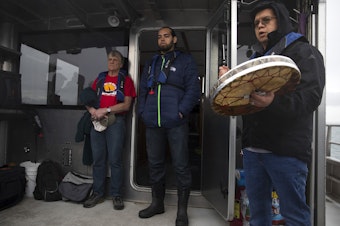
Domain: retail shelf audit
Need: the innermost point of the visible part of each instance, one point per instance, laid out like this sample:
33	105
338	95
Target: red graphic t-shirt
108	96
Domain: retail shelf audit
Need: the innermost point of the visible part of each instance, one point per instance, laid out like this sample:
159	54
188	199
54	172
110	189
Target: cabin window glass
56	67
34	71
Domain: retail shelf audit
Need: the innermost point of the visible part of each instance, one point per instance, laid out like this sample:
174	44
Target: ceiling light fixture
113	20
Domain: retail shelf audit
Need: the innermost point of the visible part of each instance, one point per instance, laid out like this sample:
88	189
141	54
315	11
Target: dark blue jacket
89	98
160	105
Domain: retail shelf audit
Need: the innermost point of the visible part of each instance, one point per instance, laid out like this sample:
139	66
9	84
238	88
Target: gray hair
116	53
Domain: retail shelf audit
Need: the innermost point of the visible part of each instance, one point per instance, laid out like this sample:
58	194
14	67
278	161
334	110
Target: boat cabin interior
51	50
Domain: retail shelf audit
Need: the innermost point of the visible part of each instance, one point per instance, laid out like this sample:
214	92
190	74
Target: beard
166	48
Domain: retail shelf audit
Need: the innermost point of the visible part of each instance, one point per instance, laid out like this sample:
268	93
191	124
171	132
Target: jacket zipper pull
151	92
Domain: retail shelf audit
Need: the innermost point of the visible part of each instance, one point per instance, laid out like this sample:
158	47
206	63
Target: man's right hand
222	70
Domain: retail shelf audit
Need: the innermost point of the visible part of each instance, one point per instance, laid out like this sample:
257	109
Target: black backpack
49	176
12	185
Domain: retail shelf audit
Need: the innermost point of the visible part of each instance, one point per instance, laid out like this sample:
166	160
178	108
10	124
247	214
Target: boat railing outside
333	162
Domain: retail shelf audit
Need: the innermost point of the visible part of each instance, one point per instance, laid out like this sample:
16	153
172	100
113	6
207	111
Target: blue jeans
108	146
157	140
288	176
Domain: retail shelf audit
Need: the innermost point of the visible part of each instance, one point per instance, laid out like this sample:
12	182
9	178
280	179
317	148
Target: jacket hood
282	15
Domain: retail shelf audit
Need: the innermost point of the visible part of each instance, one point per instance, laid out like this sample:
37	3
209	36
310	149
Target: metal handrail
329	142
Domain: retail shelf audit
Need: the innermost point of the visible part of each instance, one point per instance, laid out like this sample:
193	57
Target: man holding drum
277	141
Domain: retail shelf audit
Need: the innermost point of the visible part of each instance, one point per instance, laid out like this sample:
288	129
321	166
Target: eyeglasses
264	20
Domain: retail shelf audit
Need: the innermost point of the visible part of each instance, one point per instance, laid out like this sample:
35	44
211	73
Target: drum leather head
230	95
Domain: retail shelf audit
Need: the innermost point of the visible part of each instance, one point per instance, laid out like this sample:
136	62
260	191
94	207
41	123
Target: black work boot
93	200
182	216
157	204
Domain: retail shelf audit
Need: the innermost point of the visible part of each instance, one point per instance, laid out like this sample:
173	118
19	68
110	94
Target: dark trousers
157	140
108	146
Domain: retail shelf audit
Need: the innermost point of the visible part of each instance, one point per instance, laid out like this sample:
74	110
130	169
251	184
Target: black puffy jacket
285	127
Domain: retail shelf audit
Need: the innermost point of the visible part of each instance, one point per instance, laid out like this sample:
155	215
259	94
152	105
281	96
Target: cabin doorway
194	43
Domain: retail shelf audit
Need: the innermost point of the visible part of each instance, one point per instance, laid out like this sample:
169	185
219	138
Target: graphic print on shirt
109	89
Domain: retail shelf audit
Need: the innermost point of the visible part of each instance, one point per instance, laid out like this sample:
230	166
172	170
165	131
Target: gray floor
332	213
30	212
